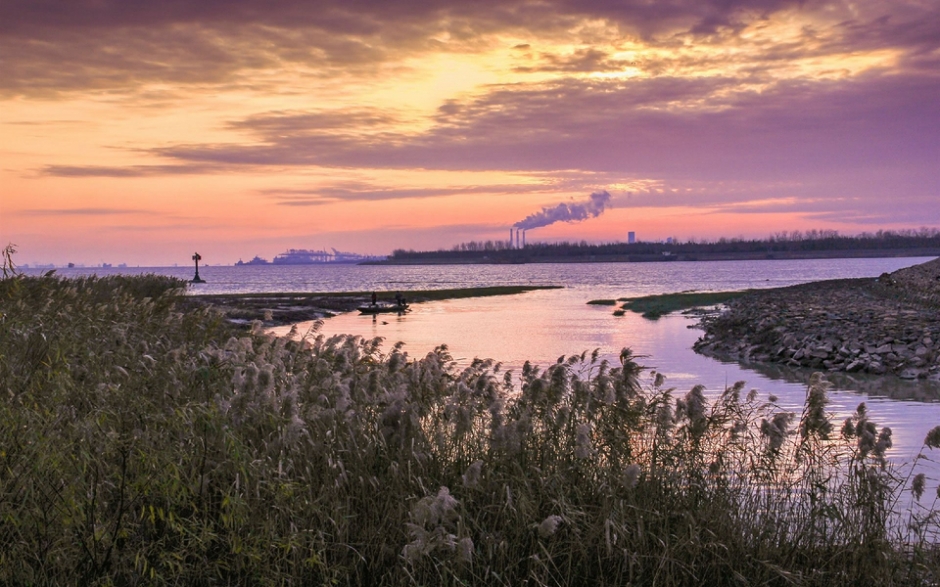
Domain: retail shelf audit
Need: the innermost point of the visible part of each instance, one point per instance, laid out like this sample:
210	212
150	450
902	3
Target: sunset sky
140	131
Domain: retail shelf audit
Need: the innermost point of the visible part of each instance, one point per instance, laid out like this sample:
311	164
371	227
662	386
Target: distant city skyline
141	132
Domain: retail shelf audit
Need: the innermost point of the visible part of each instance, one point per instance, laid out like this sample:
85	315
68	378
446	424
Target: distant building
631	237
313	257
669	240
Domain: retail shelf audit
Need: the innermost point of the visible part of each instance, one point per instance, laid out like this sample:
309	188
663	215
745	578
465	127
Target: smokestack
517	237
523	239
510	238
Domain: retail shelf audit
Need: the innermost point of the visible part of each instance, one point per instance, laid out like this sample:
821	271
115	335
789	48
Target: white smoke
564	212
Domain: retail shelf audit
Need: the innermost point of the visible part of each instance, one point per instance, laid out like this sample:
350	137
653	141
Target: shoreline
520	257
884	325
284	308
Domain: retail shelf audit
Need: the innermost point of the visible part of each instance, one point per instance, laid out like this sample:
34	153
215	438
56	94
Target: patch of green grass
425	294
474	292
291	307
415	295
654	306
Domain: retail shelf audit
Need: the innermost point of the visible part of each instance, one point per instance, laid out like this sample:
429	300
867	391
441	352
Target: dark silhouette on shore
197	257
783	245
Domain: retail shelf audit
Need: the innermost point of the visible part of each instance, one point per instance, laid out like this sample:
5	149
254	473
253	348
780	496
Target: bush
145	442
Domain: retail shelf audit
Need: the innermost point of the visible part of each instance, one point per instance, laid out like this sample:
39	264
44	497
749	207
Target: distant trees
474	246
780	242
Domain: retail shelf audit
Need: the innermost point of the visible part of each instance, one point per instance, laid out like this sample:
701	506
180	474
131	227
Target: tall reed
144	441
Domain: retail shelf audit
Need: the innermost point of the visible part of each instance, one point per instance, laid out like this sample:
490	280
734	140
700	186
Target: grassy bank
655	306
276	309
145	443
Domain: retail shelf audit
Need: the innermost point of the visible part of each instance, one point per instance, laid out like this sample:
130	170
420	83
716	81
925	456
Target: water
541	326
596	279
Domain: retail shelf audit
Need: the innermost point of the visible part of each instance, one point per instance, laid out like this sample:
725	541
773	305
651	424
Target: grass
418	295
146	442
290	308
655	306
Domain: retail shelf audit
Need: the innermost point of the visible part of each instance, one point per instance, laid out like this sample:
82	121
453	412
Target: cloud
818	102
56	46
80	212
119	172
360	191
585	60
369	17
671	128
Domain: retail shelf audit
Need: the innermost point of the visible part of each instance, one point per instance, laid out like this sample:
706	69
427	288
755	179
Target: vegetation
780	245
416	295
602	303
145	443
292	308
655	306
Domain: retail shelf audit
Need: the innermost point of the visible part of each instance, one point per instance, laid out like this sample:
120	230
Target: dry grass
140	444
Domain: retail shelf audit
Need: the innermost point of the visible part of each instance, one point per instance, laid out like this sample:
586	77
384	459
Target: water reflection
544	325
888	387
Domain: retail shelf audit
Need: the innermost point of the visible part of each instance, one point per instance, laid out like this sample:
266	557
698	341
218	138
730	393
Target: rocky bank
886	325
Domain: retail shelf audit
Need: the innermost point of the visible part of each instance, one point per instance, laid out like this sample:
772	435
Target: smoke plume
563	212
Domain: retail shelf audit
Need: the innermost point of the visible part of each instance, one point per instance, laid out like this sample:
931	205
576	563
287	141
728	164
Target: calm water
543	325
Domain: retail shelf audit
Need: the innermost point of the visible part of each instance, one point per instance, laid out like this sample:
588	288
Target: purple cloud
54	46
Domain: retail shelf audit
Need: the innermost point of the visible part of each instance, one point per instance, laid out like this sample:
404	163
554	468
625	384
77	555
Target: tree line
784	242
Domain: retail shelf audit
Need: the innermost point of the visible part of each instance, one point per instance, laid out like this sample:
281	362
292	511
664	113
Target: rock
912	374
854	366
849	325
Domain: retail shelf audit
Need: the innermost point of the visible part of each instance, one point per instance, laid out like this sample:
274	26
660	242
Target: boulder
854	366
912	373
821	352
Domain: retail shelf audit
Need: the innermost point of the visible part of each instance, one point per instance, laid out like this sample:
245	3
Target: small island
280	309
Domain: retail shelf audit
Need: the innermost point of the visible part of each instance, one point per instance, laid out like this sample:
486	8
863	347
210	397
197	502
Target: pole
197	257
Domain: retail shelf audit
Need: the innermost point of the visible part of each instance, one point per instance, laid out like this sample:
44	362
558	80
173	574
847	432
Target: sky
139	132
